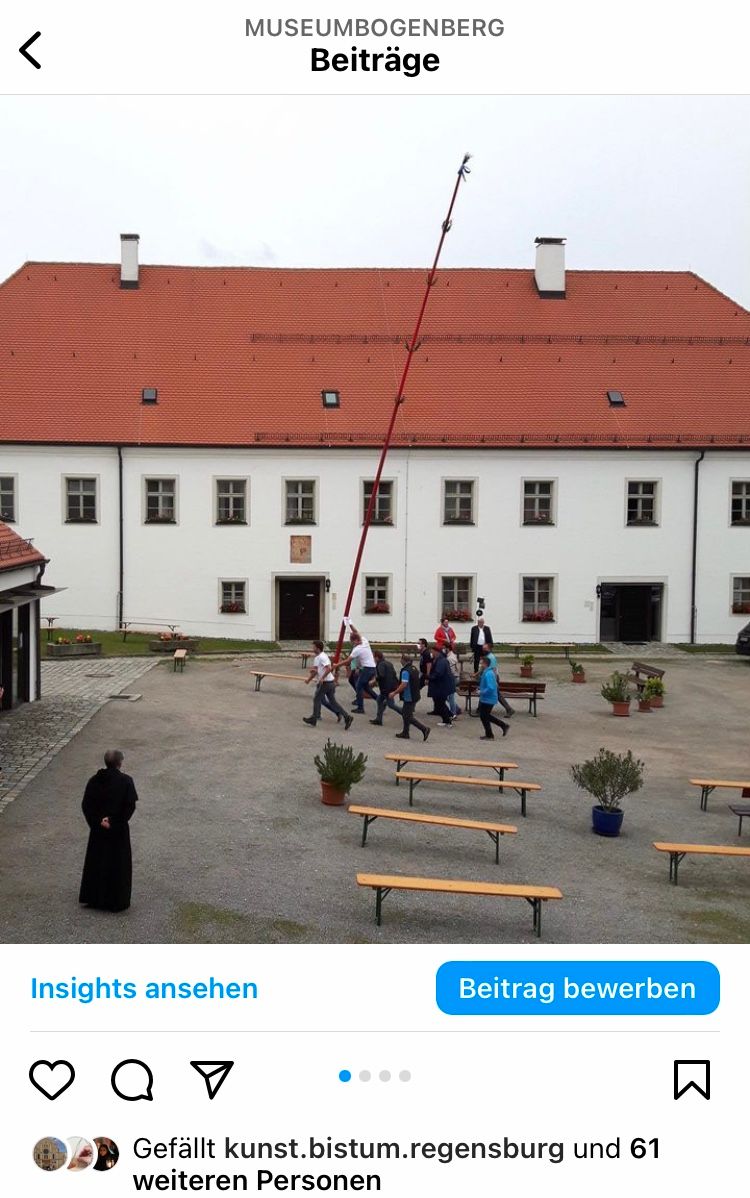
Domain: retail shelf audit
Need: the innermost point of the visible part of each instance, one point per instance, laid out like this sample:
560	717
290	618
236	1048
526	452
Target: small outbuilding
21	591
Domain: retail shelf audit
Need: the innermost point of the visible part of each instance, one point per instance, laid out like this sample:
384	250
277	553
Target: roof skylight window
331	399
616	399
149	395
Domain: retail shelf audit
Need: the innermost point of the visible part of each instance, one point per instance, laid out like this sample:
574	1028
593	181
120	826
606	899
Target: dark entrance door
630	612
299	609
6	659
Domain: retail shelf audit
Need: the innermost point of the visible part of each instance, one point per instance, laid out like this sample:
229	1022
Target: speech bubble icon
132	1081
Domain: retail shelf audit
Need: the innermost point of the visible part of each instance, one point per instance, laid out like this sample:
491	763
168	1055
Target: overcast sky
632	182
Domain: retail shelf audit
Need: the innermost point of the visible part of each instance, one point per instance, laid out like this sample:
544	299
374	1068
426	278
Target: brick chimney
549	273
129	260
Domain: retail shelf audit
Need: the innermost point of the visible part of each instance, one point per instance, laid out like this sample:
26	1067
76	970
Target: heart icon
52	1078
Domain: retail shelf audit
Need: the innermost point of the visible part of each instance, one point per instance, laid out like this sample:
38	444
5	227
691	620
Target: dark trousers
488	719
362	686
442	709
409	718
384	700
325	694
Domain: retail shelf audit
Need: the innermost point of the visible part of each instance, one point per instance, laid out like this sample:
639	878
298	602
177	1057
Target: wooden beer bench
521	788
179	658
708	785
494	831
678	851
404	758
259	675
741	810
383	884
541	648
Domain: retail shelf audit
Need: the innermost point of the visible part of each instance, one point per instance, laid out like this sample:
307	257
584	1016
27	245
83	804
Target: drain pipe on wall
694	566
121	560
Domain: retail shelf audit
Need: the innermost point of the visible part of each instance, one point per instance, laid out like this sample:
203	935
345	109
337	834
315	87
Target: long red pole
411	348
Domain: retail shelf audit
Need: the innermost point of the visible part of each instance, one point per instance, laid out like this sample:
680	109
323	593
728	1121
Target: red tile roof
16	551
240	355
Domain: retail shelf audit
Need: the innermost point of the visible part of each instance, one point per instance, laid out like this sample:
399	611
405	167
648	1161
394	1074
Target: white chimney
129	260
549	274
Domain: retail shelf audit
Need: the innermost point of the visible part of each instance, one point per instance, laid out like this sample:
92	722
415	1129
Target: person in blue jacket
442	684
487	700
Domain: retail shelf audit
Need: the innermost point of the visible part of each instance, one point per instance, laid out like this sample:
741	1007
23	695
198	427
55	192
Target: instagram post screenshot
374	597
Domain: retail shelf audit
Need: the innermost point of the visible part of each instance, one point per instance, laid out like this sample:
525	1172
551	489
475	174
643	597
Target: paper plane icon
214	1074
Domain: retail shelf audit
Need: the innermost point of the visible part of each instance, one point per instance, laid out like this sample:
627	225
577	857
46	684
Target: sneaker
379	723
309	720
441	725
505	729
426	733
348	721
403	736
358	710
490	737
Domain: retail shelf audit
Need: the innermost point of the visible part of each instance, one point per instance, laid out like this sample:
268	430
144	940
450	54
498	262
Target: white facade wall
172	573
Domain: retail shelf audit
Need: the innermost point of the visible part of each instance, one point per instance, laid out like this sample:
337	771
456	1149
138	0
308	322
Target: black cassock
108	868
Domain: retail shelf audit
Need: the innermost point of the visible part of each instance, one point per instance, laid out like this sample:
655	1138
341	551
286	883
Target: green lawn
137	643
712	649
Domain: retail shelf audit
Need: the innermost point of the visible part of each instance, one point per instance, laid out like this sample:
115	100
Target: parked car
743	640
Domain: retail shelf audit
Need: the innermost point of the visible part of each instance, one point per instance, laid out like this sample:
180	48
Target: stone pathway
73	692
656	650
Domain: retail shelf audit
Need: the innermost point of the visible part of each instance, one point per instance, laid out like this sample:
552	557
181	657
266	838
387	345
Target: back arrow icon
24	48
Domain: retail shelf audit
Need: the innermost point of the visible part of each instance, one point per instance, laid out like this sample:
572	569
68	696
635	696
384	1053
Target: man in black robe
108	803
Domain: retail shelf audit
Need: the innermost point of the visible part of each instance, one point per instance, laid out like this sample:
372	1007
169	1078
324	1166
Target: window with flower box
80	501
458	501
537	600
383	510
231	501
8	498
300	501
641	504
233	597
377	595
740	511
456	597
161	500
538	495
741	596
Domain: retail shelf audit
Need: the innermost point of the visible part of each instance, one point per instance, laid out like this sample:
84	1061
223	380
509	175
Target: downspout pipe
121	551
694	564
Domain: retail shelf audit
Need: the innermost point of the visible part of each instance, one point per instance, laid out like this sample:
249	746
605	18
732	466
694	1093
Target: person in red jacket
445	637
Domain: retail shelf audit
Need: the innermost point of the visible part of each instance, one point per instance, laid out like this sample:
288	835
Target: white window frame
295	478
656	483
225	478
387	579
14	481
472	579
80	478
733	482
532	481
553	598
161	478
461	523
364	482
746	602
233	582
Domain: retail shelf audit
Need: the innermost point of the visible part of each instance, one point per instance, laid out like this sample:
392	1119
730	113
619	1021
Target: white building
21	592
198	442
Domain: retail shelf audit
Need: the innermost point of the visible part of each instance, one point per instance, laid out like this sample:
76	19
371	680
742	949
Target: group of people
437	669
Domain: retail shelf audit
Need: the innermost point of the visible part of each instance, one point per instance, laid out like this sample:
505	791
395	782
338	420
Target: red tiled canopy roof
239	357
16	551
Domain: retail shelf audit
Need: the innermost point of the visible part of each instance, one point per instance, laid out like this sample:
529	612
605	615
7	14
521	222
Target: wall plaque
300	550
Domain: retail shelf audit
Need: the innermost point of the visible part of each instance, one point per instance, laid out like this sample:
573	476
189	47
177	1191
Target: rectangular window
160	501
537	502
455	594
538	600
377	601
8	499
458	502
233	598
641	503
740	596
231	501
80	500
740	502
300	501
383	513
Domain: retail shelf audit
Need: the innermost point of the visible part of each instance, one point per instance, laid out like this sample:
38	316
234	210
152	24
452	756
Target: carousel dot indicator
345	1075
384	1075
365	1075
404	1076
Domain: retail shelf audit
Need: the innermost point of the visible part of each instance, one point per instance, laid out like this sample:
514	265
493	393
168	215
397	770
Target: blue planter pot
606	823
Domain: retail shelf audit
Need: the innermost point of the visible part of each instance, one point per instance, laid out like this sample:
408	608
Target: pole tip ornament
464	168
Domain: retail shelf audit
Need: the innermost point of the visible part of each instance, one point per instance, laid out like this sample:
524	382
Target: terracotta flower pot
526	671
621	708
578	677
644	704
331	796
657	701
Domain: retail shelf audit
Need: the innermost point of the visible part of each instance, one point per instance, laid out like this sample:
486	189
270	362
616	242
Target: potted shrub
654	689
644	700
577	671
527	665
608	777
615	691
83	645
339	770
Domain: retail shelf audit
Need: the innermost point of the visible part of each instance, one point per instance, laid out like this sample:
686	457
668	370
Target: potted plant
644	699
527	665
577	671
615	691
608	777
83	645
339	770
654	688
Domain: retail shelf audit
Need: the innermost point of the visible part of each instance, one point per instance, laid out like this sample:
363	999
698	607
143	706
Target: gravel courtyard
231	842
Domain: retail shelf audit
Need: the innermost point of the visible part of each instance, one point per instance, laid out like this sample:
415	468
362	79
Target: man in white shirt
325	691
363	661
